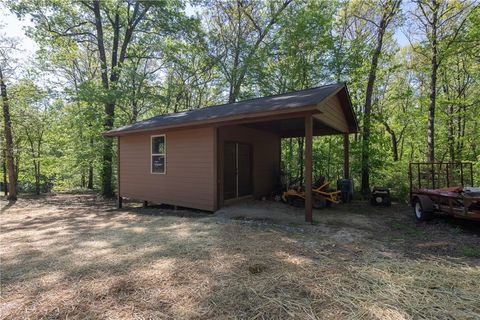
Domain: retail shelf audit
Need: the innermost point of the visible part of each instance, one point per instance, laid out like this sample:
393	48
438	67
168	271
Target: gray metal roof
283	101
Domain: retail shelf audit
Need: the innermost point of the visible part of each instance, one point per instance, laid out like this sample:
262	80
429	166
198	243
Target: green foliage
407	229
178	62
470	251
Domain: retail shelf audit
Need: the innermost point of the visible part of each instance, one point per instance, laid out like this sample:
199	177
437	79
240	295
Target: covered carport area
249	149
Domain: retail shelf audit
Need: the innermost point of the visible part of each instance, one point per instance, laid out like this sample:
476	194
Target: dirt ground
77	257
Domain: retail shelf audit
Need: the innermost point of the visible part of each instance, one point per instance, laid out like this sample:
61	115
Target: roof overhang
265	116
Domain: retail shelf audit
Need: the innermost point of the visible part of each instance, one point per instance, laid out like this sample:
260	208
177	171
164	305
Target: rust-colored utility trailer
444	188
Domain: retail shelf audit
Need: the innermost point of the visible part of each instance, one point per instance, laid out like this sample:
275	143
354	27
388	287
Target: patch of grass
407	228
470	251
457	230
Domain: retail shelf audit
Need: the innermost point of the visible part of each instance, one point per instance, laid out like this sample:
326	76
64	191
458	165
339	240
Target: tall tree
296	57
6	46
111	27
380	21
32	111
440	22
237	30
118	53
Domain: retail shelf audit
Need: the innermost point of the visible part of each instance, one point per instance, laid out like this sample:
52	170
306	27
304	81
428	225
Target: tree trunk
329	156
300	158
107	152
461	128
365	188
394	147
37	177
402	143
82	178
450	135
90	177
387	15
134	111
433	86
394	140
290	159
240	67
4	168
17	164
450	121
107	189
90	169
12	176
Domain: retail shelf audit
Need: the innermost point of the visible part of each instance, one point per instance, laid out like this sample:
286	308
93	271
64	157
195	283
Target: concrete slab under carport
284	214
338	224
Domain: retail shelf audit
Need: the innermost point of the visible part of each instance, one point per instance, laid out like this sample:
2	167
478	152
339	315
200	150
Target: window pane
158	164
158	145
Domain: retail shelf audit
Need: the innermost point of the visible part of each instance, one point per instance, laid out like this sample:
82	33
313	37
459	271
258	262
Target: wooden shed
205	157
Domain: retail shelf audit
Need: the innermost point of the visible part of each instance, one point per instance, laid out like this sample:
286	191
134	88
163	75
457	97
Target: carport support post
308	167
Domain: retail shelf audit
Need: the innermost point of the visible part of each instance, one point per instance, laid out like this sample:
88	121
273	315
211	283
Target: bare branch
366	19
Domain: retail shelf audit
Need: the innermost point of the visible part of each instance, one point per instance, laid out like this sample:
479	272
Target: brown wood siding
332	114
266	156
189	180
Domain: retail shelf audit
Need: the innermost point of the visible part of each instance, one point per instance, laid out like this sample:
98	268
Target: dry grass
73	257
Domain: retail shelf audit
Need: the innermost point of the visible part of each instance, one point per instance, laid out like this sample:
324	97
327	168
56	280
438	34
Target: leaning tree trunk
12	176
387	16
393	138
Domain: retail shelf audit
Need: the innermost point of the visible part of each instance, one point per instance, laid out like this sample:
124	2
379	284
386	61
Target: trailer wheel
419	210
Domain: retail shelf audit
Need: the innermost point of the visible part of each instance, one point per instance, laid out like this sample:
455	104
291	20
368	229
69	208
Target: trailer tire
423	208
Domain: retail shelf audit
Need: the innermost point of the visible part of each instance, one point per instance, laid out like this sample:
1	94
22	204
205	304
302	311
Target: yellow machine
322	195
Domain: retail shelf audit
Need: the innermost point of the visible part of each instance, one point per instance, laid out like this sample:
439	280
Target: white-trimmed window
158	154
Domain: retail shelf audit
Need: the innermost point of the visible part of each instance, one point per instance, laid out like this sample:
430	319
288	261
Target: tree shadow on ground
78	258
6	206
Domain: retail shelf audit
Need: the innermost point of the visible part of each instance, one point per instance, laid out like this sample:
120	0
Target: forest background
412	70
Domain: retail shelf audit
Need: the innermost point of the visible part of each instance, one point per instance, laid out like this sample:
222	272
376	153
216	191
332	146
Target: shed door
237	172
230	171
